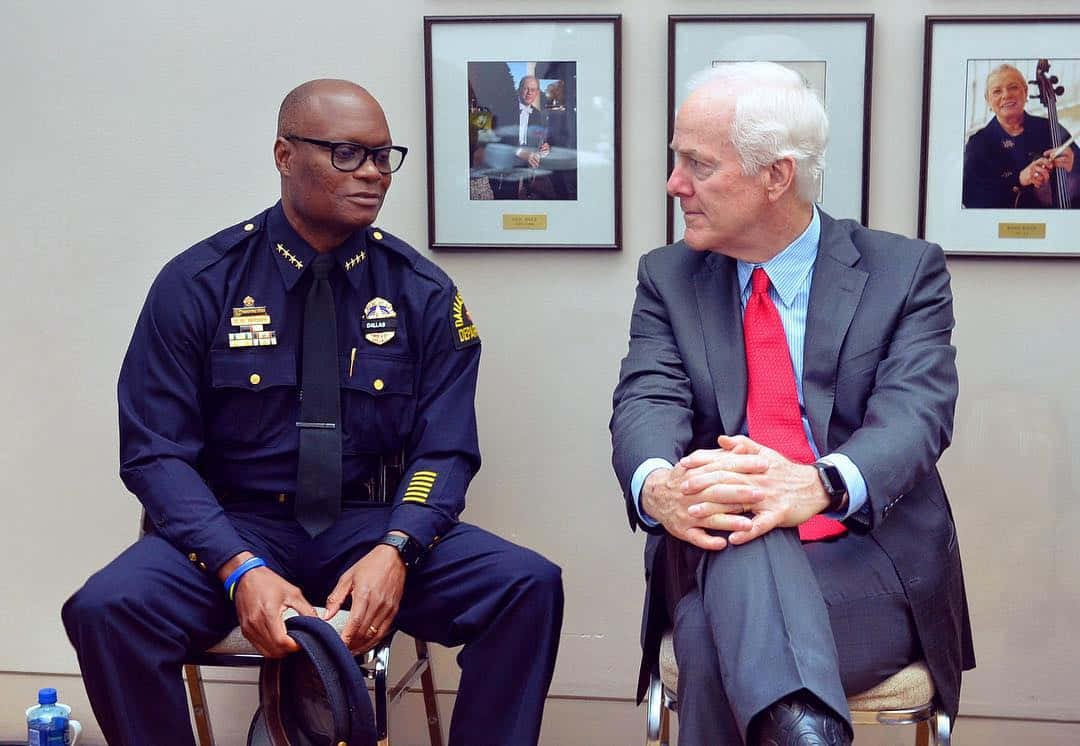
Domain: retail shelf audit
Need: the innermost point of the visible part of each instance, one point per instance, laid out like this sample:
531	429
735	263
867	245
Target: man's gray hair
777	115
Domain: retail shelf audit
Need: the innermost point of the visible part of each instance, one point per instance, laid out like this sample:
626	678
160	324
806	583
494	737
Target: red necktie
772	403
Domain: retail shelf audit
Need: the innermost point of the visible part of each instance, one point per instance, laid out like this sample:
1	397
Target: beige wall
131	130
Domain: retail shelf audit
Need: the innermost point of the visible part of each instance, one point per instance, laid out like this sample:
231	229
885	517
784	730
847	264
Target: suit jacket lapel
835	292
717	287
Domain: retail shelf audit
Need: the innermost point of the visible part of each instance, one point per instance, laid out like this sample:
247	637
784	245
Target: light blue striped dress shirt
790	273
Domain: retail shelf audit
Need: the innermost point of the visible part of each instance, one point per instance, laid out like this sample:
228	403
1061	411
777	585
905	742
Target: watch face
408	548
831	479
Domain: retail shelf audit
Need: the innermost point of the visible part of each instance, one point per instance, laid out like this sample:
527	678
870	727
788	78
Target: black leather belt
359	493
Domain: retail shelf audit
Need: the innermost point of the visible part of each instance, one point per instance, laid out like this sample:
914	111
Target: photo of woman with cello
1020	159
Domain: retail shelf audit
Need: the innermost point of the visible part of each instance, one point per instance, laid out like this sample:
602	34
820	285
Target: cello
1058	191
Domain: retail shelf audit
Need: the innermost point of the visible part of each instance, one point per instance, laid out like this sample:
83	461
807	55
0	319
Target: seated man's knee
90	607
541	577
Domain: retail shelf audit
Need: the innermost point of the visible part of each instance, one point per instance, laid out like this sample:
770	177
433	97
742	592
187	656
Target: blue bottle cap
46	696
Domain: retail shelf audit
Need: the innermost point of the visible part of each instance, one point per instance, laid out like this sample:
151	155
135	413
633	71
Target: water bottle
49	723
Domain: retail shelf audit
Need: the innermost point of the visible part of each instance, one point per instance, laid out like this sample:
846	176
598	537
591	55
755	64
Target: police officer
216	443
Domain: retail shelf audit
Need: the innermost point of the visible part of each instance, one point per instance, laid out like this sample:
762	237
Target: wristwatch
411	551
833	482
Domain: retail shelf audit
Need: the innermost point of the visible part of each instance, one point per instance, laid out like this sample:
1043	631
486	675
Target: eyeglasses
348	156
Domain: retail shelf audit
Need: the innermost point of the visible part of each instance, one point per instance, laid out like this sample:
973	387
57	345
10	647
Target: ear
283	153
780	178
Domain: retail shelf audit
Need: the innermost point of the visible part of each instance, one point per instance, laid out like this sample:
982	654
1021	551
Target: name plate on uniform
524	222
1021	230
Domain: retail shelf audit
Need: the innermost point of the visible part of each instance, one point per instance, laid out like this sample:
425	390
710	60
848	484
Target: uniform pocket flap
380	375
252	369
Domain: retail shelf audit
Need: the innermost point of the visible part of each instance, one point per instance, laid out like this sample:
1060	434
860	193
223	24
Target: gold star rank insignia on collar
355	261
292	259
380	321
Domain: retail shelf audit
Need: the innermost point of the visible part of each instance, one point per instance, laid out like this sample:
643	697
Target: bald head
322	202
313	97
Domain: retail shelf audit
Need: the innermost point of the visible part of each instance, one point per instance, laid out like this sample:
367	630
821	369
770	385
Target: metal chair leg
382	665
197	692
654	712
431	701
942	729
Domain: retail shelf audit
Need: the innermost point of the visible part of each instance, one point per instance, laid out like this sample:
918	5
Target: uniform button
281	497
202	565
378	384
255	378
377	236
193	557
249	227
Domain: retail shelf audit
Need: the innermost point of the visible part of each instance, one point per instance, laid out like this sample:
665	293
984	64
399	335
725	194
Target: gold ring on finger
373	630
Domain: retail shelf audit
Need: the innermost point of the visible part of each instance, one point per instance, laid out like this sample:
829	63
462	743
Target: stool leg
382	665
654	712
922	734
431	701
942	729
665	726
197	692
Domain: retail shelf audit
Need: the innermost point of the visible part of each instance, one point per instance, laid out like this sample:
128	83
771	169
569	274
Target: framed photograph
523	131
834	53
1000	173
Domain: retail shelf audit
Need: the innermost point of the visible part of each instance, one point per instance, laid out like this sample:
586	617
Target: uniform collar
293	255
788	269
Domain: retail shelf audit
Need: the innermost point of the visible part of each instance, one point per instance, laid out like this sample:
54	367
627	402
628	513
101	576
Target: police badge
380	321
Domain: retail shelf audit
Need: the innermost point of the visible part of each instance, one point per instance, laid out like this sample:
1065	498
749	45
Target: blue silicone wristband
235	575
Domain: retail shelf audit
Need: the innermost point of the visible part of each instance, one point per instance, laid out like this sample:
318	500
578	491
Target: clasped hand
712	489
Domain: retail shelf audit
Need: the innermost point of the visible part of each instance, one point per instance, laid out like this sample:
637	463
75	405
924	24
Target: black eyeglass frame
365	151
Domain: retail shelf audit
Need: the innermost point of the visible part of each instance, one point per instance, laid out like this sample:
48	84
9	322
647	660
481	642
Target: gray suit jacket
879	385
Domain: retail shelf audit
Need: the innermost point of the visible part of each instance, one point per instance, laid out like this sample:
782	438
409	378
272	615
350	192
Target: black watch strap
833	482
411	551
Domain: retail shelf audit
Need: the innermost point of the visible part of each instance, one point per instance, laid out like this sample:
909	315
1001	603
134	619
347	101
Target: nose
367	170
678	185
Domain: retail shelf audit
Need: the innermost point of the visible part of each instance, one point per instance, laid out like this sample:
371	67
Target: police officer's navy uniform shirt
202	413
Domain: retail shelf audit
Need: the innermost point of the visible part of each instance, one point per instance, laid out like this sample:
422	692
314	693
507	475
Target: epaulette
421	264
231	237
208	251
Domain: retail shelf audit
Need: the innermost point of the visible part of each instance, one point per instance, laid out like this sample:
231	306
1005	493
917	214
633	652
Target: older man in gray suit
789	387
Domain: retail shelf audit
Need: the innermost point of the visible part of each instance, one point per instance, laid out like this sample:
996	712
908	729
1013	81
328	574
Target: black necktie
318	479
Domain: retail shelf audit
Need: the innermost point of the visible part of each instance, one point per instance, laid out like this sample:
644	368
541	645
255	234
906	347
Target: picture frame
523	132
834	52
981	191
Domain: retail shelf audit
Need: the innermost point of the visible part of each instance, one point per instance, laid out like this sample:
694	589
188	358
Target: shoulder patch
462	329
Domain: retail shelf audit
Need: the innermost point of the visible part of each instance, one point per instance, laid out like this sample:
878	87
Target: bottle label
44	734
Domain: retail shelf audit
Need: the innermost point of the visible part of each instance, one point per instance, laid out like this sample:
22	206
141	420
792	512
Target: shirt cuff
638	481
853	480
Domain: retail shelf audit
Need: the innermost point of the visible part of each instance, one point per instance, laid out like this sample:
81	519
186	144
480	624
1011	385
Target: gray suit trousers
756	622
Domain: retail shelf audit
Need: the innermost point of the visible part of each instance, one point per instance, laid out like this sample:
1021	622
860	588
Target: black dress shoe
799	720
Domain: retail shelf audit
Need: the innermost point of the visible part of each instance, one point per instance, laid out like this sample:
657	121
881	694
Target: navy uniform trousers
134	622
756	622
